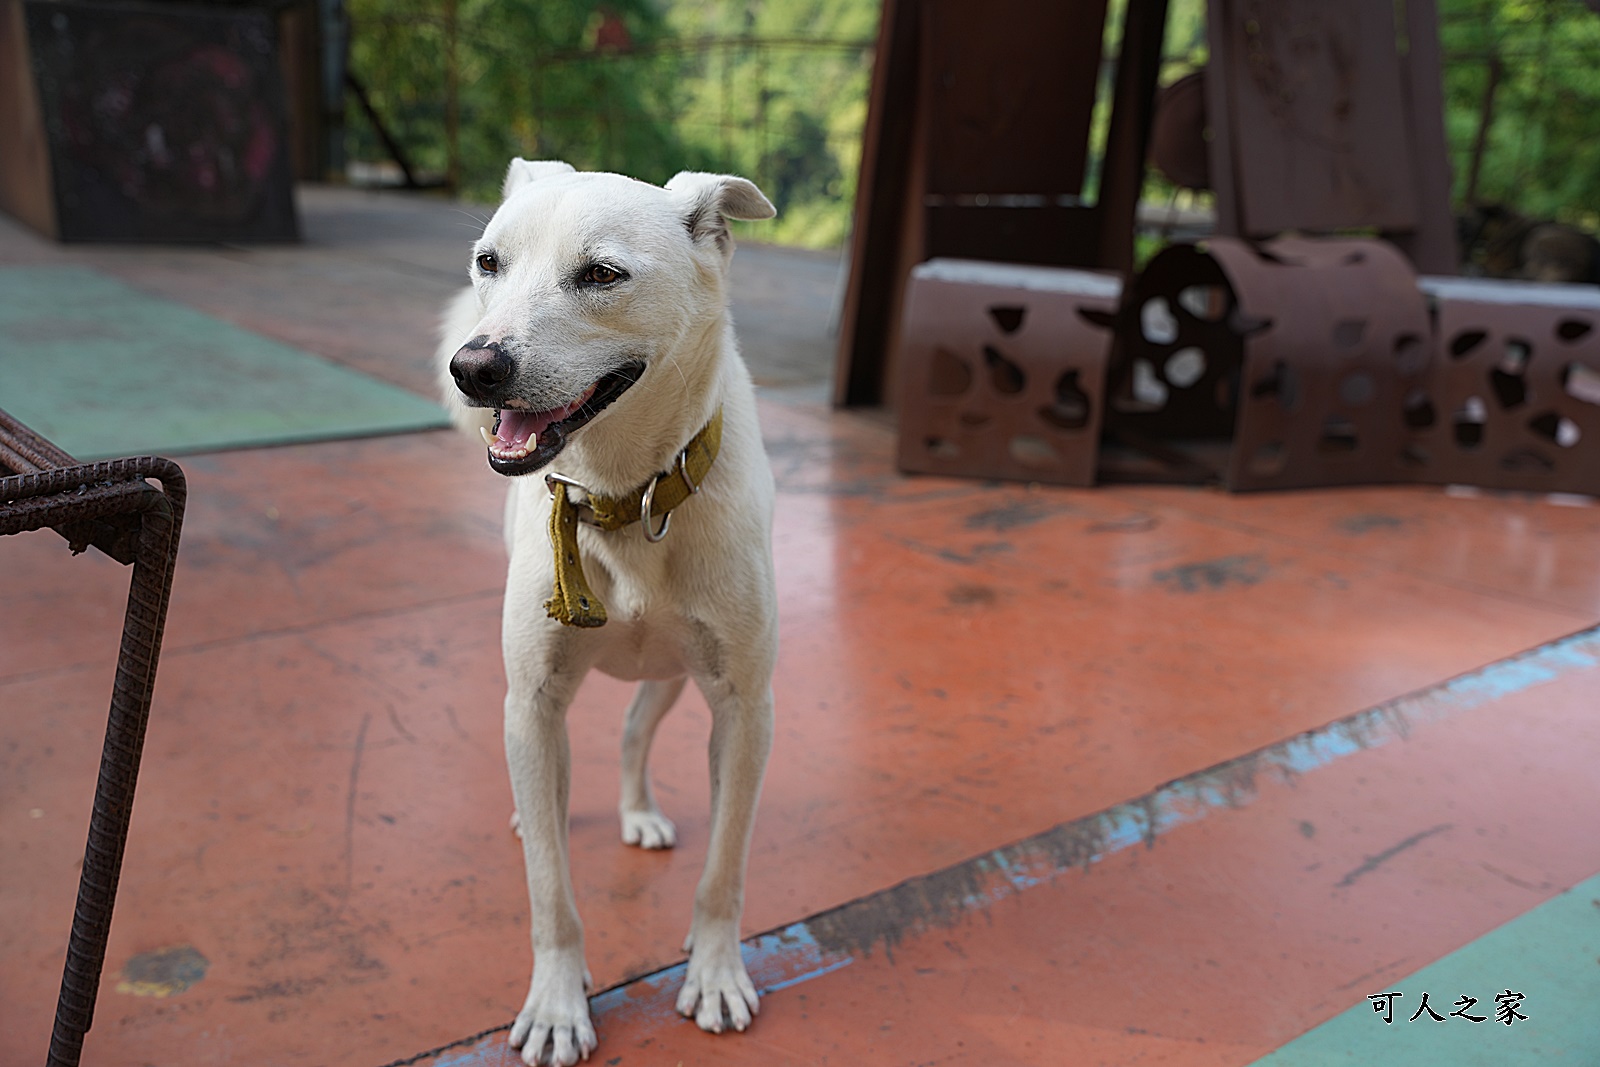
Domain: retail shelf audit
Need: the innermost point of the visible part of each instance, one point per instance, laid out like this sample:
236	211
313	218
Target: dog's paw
553	1026
717	991
648	829
516	824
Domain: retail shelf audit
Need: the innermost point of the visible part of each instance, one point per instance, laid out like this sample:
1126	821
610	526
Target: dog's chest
633	649
645	635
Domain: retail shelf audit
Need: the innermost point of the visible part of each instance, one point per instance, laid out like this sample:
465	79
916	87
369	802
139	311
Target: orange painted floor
981	689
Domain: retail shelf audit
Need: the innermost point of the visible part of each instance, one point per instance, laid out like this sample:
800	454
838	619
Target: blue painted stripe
794	955
818	973
1029	863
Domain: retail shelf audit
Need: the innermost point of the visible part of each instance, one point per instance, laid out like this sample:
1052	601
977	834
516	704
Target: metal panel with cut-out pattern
1002	373
1338	339
1273	366
1515	396
1294	363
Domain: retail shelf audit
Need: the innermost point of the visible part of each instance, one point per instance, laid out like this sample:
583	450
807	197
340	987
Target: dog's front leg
717	991
553	1026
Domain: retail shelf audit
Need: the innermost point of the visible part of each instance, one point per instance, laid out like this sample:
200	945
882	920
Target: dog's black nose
479	366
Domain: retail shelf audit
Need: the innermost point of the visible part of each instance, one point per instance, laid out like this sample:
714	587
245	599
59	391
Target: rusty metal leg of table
70	497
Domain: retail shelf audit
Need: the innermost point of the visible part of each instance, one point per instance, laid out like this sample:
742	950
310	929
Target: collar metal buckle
584	509
683	470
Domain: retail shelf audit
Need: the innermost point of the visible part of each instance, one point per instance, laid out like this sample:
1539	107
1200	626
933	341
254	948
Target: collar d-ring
644	513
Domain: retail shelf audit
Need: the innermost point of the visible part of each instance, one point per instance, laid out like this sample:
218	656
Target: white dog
595	353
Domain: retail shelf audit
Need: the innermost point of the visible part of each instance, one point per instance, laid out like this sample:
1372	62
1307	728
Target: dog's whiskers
673	363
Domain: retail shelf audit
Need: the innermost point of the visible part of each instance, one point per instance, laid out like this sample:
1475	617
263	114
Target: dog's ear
707	201
525	171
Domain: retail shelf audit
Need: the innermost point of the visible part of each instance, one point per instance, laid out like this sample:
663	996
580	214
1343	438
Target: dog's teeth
487	439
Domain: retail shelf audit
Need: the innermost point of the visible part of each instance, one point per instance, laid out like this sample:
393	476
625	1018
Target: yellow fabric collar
574	603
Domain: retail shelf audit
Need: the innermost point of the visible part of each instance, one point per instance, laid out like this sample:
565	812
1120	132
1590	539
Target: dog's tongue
519	429
522	429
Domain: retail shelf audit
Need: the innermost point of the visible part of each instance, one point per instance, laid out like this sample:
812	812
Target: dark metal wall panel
1431	247
166	122
1011	87
1317	132
976	146
1048	234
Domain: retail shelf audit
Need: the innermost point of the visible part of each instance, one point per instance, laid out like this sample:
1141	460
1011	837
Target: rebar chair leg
112	506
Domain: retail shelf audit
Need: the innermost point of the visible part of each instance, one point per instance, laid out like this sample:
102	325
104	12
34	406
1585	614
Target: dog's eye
600	274
488	263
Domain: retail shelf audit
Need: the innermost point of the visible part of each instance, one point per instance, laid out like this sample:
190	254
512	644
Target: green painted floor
104	370
1550	955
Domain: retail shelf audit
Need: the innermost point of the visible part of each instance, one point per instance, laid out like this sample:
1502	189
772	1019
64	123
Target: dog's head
588	286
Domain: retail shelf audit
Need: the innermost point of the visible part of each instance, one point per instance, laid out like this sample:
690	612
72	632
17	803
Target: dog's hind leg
643	824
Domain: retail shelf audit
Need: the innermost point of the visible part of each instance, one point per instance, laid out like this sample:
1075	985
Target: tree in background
1532	67
777	90
771	89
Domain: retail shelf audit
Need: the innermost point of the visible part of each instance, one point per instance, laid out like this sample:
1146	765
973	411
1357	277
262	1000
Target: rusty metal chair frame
111	506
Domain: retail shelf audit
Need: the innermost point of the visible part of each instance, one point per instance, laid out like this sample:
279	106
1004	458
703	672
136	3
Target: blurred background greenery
777	90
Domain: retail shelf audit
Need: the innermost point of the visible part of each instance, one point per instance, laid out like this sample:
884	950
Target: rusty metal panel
1296	363
1514	400
975	147
1003	370
1011	232
1178	355
890	175
1010	91
1431	247
1343	337
1313	105
1276	367
1178	145
164	122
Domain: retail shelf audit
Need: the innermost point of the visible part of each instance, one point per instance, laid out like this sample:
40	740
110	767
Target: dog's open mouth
523	441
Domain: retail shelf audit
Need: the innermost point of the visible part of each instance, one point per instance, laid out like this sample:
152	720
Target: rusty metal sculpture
112	507
1255	359
1308	349
979	144
1328	362
1514	398
1299	362
1007	364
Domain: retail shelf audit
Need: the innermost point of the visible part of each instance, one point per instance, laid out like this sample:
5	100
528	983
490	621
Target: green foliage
1542	155
776	90
771	89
